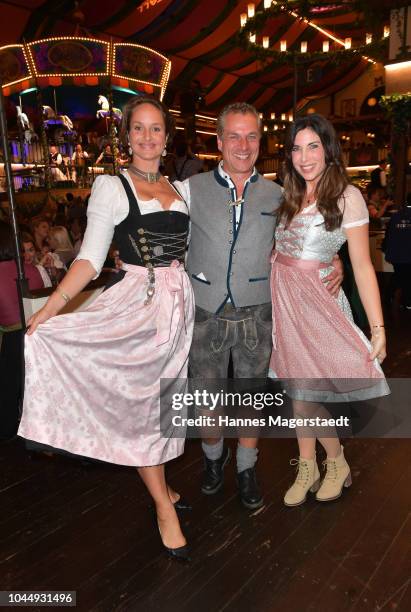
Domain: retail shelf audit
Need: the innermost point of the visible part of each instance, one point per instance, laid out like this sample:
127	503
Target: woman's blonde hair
61	237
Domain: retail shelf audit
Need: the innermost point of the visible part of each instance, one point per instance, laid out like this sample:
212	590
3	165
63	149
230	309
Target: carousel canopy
201	40
82	61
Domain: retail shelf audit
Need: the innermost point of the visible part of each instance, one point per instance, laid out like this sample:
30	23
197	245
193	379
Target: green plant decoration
398	109
372	16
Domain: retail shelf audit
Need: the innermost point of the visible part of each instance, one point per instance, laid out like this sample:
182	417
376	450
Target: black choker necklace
150	177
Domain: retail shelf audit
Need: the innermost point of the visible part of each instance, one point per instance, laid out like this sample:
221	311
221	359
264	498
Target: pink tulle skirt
93	377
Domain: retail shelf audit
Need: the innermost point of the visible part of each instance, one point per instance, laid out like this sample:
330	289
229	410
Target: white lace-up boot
308	479
337	477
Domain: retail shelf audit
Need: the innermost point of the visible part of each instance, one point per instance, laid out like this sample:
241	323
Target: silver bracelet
65	297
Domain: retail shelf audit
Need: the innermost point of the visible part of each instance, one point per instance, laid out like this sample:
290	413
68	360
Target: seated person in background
61	245
29	256
377	203
40	230
52	262
11	351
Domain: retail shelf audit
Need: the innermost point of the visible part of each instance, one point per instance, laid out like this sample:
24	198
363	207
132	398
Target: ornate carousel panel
14	67
70	56
71	60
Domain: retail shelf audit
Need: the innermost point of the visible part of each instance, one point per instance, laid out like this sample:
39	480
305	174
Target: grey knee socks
246	458
213	451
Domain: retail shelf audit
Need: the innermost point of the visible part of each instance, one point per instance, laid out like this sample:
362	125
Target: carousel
62	99
60	108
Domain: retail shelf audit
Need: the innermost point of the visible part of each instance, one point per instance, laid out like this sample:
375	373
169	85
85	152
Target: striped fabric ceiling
199	36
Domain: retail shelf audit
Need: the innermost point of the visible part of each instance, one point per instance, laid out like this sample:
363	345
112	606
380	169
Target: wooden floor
88	528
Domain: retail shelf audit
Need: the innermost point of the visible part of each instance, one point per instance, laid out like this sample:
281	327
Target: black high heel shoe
182	553
179	554
182	504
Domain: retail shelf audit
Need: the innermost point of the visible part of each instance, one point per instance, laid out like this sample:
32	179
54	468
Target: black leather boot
250	493
213	475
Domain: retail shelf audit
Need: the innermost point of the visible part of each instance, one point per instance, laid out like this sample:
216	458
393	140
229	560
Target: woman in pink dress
11	332
315	340
106	405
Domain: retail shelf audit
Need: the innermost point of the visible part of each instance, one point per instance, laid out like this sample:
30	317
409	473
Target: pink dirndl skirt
93	378
315	339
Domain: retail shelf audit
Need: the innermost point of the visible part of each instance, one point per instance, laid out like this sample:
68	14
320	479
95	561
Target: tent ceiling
199	36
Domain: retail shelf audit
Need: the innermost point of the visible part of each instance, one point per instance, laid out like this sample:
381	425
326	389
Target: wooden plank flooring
65	525
89	528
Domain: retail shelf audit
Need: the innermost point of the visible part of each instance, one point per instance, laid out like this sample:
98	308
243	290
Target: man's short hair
236	107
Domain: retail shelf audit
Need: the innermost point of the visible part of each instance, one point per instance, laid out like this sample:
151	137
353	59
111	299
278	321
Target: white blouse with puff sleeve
355	211
107	207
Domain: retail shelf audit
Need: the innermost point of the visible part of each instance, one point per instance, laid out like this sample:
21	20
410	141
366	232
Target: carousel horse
104	111
50	118
22	119
25	126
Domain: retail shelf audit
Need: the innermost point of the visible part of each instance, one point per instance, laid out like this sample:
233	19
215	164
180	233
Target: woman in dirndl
315	340
93	377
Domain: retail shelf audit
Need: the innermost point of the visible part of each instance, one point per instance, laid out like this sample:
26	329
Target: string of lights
254	21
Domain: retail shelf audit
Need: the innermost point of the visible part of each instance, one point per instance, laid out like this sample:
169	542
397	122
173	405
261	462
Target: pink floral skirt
93	378
315	340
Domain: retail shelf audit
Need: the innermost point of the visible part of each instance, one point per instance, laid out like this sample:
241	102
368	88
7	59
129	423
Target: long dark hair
332	183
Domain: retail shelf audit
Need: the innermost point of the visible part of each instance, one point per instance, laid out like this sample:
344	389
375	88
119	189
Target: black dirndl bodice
151	240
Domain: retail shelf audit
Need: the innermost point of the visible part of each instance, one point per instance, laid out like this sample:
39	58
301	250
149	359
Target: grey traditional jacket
225	263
